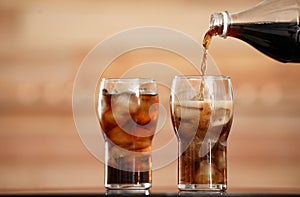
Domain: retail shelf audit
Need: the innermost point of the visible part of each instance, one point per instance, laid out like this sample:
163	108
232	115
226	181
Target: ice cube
135	161
220	159
128	141
143	159
147	110
222	112
188	110
142	143
112	158
207	145
142	117
207	173
141	131
115	153
123	105
193	118
194	110
108	121
125	102
121	138
187	129
145	91
220	115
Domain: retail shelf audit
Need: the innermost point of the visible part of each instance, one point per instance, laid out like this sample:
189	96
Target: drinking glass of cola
202	114
127	109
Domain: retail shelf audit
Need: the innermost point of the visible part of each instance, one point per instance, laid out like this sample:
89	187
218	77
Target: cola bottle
272	27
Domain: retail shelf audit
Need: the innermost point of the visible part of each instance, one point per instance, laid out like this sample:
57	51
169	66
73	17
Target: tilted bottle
272	27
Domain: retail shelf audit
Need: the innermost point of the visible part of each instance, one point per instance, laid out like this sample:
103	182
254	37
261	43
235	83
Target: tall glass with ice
202	114
128	112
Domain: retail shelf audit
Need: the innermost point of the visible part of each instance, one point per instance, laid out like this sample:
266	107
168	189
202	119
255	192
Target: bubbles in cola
202	128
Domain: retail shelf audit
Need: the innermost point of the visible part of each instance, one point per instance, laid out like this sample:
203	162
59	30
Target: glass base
138	186
202	187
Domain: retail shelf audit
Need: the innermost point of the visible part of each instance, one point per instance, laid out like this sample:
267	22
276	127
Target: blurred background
43	43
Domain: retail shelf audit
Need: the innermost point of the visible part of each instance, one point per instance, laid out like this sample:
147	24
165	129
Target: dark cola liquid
116	176
209	168
202	132
128	122
280	41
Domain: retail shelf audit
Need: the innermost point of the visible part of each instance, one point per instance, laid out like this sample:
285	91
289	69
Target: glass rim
197	77
129	80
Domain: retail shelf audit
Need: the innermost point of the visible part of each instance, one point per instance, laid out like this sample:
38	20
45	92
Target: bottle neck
218	20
